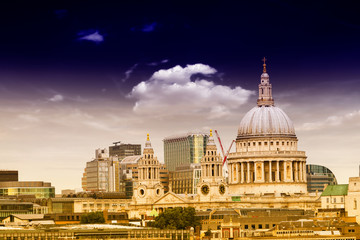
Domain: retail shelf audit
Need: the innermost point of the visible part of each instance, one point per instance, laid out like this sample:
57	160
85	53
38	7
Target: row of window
266	143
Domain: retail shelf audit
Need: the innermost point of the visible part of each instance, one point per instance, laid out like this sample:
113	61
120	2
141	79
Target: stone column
291	172
277	171
285	173
304	171
230	172
270	171
242	172
296	171
248	172
237	172
301	172
263	171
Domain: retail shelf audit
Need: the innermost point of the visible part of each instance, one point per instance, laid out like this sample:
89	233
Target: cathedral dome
266	121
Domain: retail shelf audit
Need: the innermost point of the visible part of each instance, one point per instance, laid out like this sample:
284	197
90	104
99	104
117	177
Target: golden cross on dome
264	65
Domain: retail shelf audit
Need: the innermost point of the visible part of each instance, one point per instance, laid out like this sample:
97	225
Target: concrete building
9	176
266	160
352	206
184	149
102	173
318	177
185	178
122	150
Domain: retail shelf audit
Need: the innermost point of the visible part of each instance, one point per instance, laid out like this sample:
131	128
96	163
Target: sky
79	75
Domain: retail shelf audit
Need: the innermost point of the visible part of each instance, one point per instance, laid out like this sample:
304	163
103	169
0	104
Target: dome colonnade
266	159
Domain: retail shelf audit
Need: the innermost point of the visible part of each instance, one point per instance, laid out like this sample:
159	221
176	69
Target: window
265	143
355	204
342	199
253	226
334	201
260	226
327	200
271	143
246	227
259	143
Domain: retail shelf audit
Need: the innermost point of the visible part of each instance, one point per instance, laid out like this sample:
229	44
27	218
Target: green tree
176	218
93	217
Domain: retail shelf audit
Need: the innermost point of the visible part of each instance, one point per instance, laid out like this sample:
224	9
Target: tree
93	217
176	218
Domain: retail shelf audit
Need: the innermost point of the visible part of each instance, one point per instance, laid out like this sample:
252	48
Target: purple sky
76	77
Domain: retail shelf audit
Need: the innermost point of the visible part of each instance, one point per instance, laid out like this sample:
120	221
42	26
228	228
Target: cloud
149	27
146	28
129	72
330	121
158	63
171	92
57	98
28	118
91	35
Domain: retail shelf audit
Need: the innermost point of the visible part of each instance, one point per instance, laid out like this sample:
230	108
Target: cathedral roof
262	120
265	119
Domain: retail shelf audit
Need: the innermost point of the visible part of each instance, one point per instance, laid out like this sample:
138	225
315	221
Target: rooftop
336	190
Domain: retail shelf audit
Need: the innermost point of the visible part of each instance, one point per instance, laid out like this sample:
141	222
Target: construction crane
222	149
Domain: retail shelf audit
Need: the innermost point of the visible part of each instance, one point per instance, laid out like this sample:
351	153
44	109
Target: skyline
77	77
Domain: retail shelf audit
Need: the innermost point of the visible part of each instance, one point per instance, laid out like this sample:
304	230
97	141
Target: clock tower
149	186
212	185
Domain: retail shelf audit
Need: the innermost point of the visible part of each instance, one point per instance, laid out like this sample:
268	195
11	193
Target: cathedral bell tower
212	185
148	186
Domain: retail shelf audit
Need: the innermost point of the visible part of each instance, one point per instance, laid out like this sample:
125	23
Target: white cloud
171	92
28	118
330	121
57	98
129	72
93	37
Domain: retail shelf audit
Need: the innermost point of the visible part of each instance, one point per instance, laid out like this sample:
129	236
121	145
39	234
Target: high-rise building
102	173
318	177
122	150
184	149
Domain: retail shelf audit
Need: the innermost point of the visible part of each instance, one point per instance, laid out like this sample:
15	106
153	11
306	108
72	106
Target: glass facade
185	178
318	177
39	192
185	149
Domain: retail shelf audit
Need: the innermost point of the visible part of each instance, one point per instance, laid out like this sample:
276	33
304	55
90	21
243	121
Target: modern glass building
184	149
122	150
38	189
318	177
185	178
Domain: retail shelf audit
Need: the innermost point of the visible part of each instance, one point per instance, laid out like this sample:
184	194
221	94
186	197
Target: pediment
170	198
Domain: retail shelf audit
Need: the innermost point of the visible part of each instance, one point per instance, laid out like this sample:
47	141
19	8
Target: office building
185	178
35	188
102	173
318	177
184	149
9	175
122	150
